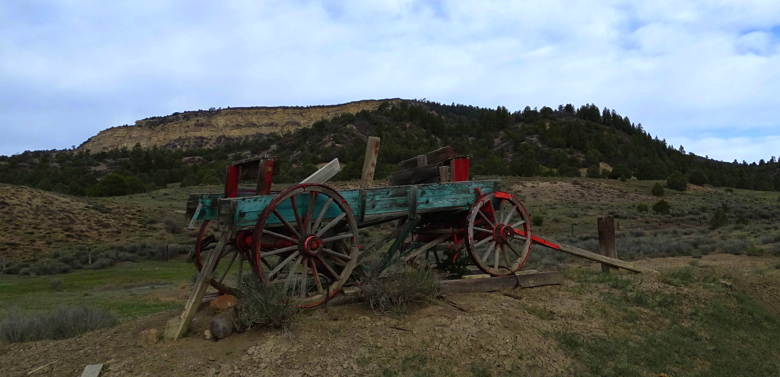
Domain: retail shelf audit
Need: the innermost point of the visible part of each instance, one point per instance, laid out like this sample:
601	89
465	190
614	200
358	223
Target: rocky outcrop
203	129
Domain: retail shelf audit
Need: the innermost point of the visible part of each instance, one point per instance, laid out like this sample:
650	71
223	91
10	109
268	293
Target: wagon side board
366	204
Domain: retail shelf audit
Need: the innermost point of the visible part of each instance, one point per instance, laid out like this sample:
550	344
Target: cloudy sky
705	74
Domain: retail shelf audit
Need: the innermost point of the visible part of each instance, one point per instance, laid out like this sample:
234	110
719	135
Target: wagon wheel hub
503	233
311	245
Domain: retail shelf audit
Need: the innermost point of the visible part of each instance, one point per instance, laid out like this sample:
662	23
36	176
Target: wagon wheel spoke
279	251
512	249
303	278
515	225
509	263
282	264
508	216
328	268
488	252
290	227
335	253
483	230
279	235
316	275
309	211
483	241
291	272
338	237
321	215
492	225
331	224
294	206
495	259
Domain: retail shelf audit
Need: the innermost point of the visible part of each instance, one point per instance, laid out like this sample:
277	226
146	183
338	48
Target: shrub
662	207
719	218
677	181
398	292
537	220
657	190
698	177
48	266
172	226
264	305
60	323
642	207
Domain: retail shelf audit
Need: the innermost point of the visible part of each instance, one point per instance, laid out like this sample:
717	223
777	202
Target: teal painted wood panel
379	202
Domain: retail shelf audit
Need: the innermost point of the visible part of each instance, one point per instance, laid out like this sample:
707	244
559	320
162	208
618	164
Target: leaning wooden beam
325	173
201	285
614	262
490	284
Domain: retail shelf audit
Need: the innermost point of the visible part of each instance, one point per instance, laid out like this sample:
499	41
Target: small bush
642	207
537	220
677	181
60	323
101	262
172	226
657	190
662	207
264	305
398	292
48	266
719	218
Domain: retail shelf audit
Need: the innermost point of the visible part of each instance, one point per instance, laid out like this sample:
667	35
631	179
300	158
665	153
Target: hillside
566	142
713	316
203	129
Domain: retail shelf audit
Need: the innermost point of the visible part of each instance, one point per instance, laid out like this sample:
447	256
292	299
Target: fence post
606	228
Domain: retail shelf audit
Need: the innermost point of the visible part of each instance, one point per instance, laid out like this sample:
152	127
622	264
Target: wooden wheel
498	234
230	266
306	239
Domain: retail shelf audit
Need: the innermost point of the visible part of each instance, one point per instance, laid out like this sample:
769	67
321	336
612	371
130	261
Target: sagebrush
269	305
59	323
397	293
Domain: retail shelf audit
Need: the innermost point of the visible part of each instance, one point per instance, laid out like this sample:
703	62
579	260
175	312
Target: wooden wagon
307	236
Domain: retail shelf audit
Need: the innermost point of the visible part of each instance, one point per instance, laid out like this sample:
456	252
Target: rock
223	302
223	325
150	336
171	327
207	334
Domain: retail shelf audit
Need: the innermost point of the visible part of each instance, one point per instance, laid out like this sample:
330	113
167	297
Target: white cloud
680	68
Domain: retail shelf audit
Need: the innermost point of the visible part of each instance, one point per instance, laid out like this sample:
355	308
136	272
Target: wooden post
444	174
324	173
606	228
369	162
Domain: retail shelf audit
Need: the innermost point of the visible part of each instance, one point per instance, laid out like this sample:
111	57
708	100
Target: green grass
728	335
121	289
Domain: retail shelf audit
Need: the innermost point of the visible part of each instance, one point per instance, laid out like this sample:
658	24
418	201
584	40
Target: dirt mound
34	221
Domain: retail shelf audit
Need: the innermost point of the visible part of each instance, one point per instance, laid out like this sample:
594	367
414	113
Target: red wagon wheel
230	265
498	234
306	239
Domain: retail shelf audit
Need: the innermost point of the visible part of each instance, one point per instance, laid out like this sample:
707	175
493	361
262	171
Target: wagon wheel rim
230	265
498	235
313	250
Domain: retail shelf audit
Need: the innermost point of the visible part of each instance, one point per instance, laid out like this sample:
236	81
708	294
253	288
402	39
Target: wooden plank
416	175
444	174
431	158
426	247
369	162
324	173
606	229
486	284
502	282
92	370
201	285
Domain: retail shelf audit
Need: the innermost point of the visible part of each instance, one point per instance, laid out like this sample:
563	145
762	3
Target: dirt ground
457	335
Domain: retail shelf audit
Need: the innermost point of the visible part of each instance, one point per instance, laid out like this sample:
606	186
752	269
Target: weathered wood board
366	204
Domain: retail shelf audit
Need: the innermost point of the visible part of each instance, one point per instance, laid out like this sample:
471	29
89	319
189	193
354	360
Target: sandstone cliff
194	129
